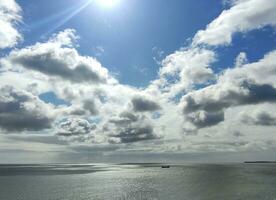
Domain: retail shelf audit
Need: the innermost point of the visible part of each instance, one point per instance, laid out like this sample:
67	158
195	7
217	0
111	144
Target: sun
107	3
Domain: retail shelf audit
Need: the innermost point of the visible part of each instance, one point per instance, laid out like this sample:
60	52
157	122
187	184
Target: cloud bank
188	108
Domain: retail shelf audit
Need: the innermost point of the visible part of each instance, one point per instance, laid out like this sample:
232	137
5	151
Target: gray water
147	181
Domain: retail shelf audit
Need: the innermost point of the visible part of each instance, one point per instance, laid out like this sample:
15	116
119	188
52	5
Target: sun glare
108	3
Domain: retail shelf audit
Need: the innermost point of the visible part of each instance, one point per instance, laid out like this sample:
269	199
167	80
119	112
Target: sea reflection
191	182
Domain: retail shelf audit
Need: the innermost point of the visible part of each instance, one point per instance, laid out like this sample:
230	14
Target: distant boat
165	166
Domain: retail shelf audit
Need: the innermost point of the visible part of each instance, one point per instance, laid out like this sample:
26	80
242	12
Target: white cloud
76	130
243	16
262	71
10	14
183	69
248	84
56	58
21	111
241	59
101	111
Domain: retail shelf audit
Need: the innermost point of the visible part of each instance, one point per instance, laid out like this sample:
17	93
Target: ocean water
141	181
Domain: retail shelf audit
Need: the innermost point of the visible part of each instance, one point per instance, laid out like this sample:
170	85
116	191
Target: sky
137	81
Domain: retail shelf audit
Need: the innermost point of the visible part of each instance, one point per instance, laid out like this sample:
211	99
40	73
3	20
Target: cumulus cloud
96	101
184	69
79	130
21	111
56	58
238	86
128	127
75	127
9	17
258	118
262	72
186	60
84	108
246	84
243	16
203	118
205	107
142	104
90	106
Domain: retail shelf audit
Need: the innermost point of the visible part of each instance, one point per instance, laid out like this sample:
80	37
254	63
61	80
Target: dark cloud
90	106
141	104
124	119
51	64
129	128
260	118
204	119
21	111
75	127
57	57
87	107
77	111
246	93
135	134
206	107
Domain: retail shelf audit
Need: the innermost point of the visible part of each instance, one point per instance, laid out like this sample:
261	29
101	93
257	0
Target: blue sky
78	75
128	33
125	39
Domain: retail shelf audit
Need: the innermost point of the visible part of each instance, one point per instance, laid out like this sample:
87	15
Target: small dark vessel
165	166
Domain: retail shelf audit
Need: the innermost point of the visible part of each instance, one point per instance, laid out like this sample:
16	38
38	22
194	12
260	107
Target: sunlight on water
68	182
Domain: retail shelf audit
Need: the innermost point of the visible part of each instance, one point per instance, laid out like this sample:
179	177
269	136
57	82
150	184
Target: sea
138	181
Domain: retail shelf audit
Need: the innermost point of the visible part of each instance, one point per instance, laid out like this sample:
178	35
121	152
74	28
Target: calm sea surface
147	181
